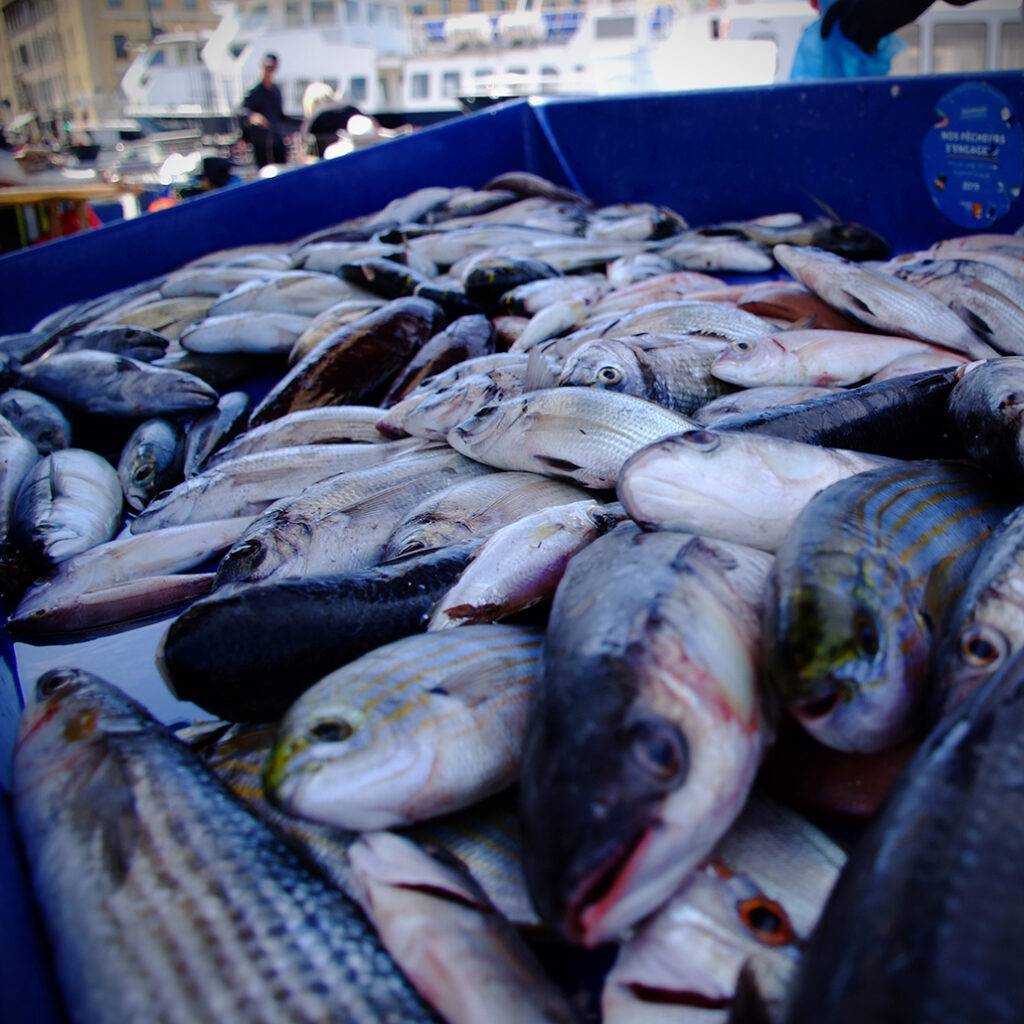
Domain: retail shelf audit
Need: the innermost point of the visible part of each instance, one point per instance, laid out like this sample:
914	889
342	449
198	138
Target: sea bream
413	729
862	586
164	898
650	681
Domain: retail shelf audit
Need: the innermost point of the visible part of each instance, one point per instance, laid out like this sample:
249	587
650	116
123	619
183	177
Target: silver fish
521	563
880	300
689	483
270	332
17	456
580	434
36	418
416	728
163	897
113	385
214	429
299	292
152	460
650	679
68	502
476	507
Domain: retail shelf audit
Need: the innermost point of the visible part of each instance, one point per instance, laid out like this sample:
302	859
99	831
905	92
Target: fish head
488	425
749	361
578	866
66	724
330	763
846	649
605	363
973	654
141	479
691	952
853	241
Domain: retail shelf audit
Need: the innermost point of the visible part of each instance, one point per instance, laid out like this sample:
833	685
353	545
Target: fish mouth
675	997
599	892
813	709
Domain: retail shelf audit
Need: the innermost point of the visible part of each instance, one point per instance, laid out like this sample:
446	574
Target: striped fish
165	900
862	582
416	728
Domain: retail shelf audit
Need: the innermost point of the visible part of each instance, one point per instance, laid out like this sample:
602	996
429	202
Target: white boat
403	68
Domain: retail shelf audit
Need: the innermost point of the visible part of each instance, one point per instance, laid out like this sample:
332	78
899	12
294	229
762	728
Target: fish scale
143	853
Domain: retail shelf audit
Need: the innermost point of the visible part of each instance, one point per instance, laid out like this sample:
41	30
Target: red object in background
163	203
69	223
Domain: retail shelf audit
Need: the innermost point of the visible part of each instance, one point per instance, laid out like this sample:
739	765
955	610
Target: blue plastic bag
837	57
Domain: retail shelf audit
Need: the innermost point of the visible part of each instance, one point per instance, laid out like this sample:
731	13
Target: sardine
297	292
264	332
17	456
164	898
755	400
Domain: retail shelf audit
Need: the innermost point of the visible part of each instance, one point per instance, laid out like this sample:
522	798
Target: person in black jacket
865	22
265	126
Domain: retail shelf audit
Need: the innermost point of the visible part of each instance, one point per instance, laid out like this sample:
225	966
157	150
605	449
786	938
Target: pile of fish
550	595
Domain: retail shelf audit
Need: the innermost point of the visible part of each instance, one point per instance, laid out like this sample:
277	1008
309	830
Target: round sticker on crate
974	155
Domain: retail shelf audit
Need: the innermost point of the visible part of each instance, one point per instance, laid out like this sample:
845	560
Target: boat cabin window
1011	45
351	12
293	14
483	73
960	47
618	27
257	18
419	84
182	54
451	83
323	12
357	87
157	58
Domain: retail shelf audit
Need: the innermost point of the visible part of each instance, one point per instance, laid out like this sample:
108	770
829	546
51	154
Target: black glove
864	22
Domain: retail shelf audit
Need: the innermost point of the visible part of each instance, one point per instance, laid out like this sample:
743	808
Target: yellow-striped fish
416	728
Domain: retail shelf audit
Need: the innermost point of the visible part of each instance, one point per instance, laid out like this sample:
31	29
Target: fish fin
538	372
826	209
804	323
105	808
858	304
974	321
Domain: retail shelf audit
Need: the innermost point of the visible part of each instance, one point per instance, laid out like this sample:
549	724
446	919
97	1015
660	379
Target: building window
451	84
189	5
960	47
394	15
420	86
908	60
356	88
120	47
115	3
351	11
418	10
23	55
1011	45
372	13
474	6
293	14
323	12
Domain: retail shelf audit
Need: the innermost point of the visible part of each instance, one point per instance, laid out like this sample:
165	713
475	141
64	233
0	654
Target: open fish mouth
675	997
600	891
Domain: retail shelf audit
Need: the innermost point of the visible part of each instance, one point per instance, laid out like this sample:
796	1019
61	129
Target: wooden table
50	196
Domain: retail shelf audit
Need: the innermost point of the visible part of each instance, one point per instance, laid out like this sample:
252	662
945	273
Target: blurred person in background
866	22
265	126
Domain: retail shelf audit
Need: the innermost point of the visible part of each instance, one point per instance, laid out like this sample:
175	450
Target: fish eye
331	730
981	647
143	473
865	633
767	921
609	375
49	683
702	439
741	346
660	749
